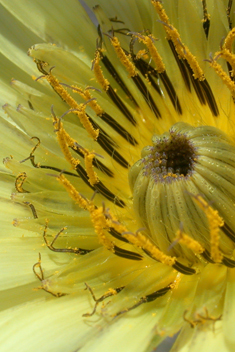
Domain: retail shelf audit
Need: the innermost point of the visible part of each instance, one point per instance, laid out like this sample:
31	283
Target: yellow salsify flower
119	170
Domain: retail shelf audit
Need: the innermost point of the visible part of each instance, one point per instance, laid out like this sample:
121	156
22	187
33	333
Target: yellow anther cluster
63	143
142	241
149	42
97	214
74	194
223	75
228	42
99	223
104	83
181	49
215	222
93	178
77	109
189	242
227	54
123	57
86	95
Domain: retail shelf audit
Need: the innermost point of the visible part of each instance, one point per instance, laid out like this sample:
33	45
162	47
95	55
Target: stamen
101	188
104	83
74	194
78	109
123	57
206	18
31	157
109	293
189	242
228	262
146	299
229	57
130	67
141	241
99	223
102	114
148	40
63	139
123	253
181	49
223	75
215	222
228	42
113	72
97	217
30	105
109	90
93	178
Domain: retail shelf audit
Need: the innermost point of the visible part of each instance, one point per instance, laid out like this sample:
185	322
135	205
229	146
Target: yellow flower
120	165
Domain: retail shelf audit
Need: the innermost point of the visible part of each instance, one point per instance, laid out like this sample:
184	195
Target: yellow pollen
223	75
148	41
228	56
79	111
170	174
141	241
226	51
189	242
86	95
104	83
65	141
93	103
161	12
182	50
215	222
142	54
99	223
93	178
229	40
74	194
62	139
97	214
123	57
111	291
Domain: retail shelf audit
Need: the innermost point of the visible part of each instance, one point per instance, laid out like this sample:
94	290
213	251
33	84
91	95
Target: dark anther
123	253
183	269
32	209
146	299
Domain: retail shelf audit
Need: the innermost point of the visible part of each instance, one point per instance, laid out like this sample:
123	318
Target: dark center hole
171	155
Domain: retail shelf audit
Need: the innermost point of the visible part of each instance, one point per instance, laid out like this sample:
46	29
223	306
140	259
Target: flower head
122	158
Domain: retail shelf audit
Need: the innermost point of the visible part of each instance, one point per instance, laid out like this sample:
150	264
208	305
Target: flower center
172	155
184	185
